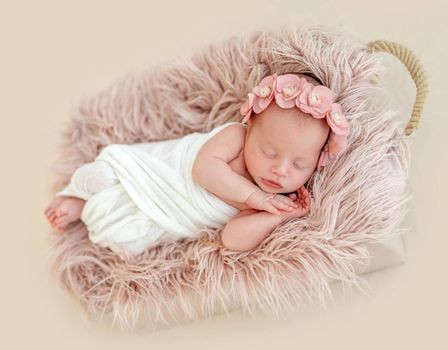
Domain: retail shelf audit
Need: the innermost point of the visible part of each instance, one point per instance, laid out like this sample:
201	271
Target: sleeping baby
247	177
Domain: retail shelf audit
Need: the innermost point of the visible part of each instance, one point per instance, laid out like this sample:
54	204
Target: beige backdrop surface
54	51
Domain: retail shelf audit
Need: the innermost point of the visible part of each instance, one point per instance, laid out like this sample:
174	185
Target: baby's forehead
274	111
287	119
301	135
299	131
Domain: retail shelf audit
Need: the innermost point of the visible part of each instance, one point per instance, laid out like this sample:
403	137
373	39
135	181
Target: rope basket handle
415	68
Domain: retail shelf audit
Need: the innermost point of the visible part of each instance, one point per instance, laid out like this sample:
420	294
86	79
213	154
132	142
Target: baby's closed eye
298	164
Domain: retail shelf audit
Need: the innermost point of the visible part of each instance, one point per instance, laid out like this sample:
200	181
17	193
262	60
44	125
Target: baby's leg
87	180
90	178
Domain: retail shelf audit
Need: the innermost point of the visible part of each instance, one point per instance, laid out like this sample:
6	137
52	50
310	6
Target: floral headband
291	91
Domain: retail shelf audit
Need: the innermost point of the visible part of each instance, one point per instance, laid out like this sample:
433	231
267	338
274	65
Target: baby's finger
293	196
282	197
306	199
273	210
286	200
290	205
304	192
281	205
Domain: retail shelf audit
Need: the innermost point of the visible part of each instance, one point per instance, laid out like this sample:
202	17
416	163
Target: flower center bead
314	100
288	91
265	91
337	118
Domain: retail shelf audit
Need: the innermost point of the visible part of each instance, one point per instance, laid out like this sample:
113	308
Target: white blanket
156	198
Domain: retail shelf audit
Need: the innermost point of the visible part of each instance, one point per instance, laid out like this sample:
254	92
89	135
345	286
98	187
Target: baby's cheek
256	163
300	179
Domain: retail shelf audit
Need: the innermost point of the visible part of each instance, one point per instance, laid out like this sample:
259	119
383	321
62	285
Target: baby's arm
248	228
212	171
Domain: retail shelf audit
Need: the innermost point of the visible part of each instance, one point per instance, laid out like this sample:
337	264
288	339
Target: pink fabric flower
264	93
315	100
246	108
288	87
337	121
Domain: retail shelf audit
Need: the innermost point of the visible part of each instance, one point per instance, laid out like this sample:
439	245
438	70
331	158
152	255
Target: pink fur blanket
359	199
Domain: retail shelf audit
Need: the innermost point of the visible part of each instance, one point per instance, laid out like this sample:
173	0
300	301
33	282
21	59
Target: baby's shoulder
232	133
234	130
227	143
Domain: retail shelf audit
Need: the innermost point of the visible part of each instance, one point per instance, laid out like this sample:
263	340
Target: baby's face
283	145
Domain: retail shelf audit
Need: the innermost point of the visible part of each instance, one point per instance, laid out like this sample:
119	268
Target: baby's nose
280	170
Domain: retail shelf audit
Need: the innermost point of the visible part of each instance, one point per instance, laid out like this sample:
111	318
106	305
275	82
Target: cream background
54	51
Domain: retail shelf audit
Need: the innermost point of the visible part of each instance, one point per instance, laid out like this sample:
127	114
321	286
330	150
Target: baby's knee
95	176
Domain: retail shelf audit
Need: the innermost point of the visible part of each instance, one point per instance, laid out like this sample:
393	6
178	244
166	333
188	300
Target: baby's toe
61	222
60	211
52	217
59	228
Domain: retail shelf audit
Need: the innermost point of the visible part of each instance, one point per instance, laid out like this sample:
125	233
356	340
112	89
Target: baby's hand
270	202
303	200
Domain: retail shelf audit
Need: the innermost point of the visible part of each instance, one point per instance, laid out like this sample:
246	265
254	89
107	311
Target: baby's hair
310	78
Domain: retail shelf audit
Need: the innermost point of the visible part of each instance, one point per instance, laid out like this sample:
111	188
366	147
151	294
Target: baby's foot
64	210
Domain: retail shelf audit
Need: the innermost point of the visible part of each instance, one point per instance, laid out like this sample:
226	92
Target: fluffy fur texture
360	198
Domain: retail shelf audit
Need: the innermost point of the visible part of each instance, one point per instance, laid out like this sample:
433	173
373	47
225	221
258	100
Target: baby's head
284	145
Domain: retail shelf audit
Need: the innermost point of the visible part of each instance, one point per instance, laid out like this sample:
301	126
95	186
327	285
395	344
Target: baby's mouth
270	183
